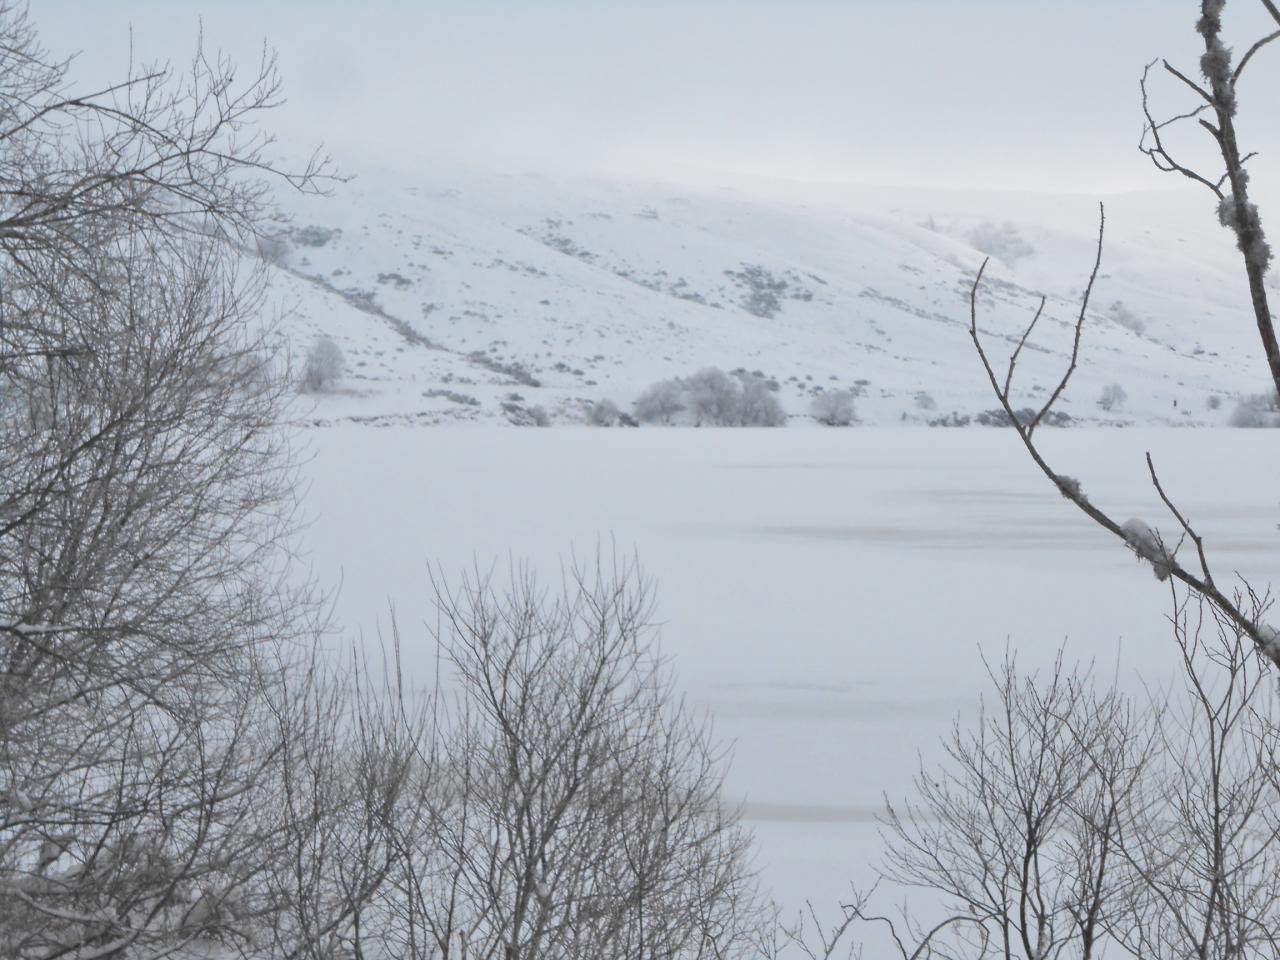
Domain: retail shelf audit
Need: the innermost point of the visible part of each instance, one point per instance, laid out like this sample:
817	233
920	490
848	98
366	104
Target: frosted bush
660	403
1256	411
834	408
1112	398
712	398
758	407
604	413
324	367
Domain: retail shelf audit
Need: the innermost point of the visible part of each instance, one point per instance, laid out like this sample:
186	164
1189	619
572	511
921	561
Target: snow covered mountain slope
469	296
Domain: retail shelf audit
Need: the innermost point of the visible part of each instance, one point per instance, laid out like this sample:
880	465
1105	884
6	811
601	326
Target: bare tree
1202	844
169	742
604	413
1018	829
1112	398
324	366
713	398
352	747
660	402
576	810
1077	821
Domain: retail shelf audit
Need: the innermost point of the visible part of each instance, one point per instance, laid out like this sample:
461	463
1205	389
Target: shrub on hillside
1256	411
324	366
604	413
759	407
660	403
712	398
1112	397
833	408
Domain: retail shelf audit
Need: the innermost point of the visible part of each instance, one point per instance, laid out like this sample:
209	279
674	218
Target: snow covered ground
460	295
825	593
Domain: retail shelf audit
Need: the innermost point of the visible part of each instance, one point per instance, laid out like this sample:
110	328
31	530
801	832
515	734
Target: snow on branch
1146	542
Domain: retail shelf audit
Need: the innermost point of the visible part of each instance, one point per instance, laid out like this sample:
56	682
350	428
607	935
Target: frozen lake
825	593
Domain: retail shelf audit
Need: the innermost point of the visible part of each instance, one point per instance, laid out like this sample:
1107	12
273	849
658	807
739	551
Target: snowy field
826	594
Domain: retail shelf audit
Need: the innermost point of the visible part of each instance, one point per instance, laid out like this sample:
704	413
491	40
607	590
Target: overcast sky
1022	94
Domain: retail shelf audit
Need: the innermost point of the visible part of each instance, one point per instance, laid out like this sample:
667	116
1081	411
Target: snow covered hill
458	295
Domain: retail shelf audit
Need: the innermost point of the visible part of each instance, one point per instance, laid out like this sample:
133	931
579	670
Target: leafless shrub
758	405
833	408
660	403
1075	821
1255	411
354	749
163	720
324	366
1019	829
1204	852
578	812
952	419
604	413
519	415
1112	398
712	397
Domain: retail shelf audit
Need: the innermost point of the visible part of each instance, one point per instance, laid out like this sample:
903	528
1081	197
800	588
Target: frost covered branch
1136	534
